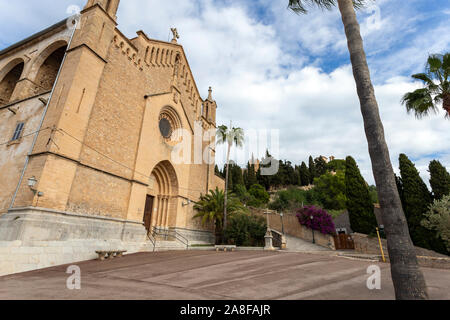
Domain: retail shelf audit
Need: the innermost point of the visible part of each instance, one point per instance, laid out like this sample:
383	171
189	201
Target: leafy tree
260	193
436	90
321	166
408	280
439	179
232	136
438	219
321	220
304	175
330	190
336	165
417	199
312	170
359	203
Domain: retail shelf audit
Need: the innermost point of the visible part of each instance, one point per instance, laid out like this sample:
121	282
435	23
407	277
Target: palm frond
434	88
446	66
434	64
221	135
420	102
301	6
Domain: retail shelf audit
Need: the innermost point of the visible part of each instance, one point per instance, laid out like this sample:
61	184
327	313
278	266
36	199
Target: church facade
90	122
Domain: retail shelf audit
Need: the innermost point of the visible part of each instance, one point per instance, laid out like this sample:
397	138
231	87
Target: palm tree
408	280
230	136
210	208
427	99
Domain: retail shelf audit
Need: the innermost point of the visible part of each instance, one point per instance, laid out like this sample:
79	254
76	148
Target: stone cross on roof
175	34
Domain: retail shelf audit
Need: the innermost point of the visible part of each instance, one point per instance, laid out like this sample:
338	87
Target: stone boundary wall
293	228
427	258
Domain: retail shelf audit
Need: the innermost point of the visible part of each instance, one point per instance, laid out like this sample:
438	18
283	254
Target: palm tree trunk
226	190
408	280
446	104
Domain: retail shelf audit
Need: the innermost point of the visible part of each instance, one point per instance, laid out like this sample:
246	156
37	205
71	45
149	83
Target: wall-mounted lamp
32	182
186	203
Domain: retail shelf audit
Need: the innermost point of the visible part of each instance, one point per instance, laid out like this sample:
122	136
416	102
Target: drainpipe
27	160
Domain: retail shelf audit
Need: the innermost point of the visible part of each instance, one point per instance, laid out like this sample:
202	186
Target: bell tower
110	6
209	108
70	105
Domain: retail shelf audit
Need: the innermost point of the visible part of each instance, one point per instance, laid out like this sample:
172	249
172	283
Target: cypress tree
251	175
217	171
236	173
398	181
321	166
359	203
245	177
312	170
304	175
416	200
439	180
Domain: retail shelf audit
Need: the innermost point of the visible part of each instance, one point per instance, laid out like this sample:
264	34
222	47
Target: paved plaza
205	275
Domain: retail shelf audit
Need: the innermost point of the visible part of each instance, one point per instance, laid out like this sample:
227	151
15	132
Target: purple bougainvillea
321	220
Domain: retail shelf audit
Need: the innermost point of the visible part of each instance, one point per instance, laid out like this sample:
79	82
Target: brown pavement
199	275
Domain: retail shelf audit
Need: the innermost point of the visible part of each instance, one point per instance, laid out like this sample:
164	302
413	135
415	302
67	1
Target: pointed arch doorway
161	202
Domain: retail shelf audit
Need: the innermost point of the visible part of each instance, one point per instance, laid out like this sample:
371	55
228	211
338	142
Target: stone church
88	128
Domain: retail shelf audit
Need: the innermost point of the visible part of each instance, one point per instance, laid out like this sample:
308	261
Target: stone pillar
166	221
269	240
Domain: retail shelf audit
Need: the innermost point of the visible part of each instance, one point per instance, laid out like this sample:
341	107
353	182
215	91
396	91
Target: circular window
169	122
165	128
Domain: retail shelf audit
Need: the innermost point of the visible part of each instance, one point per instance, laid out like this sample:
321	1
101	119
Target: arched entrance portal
161	202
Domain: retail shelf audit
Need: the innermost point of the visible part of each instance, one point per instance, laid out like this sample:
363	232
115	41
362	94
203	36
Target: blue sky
274	70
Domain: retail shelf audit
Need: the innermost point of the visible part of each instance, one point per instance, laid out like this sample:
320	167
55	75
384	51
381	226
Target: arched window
48	71
8	83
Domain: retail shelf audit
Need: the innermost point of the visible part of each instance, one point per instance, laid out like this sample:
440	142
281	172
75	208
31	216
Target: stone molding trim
39	224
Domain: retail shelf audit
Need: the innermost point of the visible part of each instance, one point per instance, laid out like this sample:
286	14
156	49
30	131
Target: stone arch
165	192
46	66
9	76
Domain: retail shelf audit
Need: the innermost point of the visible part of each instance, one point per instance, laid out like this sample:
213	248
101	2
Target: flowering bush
321	220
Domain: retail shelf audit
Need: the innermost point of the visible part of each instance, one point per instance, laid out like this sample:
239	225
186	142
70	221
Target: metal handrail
158	231
153	241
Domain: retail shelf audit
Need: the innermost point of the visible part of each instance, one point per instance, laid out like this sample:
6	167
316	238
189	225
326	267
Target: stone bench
109	254
225	247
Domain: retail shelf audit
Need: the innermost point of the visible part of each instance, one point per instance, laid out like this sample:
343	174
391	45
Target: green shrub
246	230
260	193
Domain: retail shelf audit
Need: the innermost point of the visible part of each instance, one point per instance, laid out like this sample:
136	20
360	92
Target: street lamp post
282	224
314	240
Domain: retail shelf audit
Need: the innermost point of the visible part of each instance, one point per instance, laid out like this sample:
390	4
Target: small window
18	132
